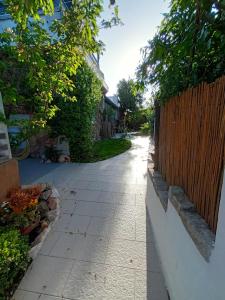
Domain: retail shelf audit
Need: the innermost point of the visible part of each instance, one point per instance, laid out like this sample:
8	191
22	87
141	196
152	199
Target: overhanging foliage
188	48
42	61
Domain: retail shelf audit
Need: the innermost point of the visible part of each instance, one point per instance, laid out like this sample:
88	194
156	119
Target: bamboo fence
191	149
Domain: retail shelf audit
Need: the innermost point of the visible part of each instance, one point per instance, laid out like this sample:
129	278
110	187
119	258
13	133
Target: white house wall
188	275
6	154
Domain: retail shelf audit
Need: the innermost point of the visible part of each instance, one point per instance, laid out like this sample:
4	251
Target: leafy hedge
137	118
188	48
13	258
145	128
76	119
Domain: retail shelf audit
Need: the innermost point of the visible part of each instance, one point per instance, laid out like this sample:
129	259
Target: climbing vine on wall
76	119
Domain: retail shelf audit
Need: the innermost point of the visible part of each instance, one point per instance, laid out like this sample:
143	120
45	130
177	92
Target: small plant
22	199
20	209
14	259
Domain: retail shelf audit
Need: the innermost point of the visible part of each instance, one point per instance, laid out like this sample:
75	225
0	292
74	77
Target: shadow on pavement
31	169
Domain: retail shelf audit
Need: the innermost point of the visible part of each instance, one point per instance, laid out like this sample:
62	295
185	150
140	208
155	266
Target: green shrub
137	118
13	258
75	120
145	128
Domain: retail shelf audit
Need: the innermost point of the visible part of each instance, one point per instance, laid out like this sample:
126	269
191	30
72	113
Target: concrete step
2	136
4	147
3	159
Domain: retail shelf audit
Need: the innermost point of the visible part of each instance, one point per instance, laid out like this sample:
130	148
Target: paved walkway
102	246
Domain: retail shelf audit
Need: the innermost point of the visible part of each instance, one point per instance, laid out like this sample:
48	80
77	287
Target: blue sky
123	43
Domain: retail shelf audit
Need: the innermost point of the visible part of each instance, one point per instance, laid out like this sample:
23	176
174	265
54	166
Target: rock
43	208
44	224
48	161
45	195
55	193
63	158
43	187
52	204
51	215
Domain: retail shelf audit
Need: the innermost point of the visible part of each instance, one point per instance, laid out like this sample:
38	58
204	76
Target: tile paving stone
94	209
122	198
149	285
62	222
140	200
77	184
47	275
81	247
67	207
125	211
96	281
129	254
106	197
49	243
105	186
86	195
102	247
72	223
47	297
25	295
141	232
117	228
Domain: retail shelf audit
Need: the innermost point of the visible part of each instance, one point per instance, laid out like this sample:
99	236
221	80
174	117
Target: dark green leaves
187	49
130	97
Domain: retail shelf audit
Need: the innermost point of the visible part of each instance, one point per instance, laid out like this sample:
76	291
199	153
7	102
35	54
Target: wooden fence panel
191	150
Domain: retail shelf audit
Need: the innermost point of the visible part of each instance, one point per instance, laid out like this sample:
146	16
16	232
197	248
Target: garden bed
26	216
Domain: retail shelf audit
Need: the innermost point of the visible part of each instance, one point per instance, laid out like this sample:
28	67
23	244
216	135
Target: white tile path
102	245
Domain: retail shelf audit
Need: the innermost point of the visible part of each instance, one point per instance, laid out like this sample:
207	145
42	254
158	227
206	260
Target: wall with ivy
76	120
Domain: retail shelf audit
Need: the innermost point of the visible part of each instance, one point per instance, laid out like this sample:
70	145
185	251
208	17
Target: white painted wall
187	274
3	129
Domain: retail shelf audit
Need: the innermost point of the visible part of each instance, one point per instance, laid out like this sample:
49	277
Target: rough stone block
195	225
179	199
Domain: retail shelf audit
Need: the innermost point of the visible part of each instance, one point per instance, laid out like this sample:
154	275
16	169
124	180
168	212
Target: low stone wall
192	256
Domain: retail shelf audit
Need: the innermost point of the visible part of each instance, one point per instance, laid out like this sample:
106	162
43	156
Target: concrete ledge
195	225
161	187
179	200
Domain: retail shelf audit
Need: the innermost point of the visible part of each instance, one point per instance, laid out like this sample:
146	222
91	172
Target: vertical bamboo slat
191	147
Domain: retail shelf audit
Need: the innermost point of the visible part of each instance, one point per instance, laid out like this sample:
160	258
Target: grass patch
108	148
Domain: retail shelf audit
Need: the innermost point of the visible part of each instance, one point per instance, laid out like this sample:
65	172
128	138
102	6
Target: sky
123	43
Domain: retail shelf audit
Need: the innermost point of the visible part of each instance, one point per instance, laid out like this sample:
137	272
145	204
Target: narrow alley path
102	245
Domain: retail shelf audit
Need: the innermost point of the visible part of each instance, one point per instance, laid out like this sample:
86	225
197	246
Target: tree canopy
21	10
38	59
130	98
187	49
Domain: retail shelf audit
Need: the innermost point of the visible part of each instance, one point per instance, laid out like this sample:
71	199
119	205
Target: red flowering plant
20	209
22	199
